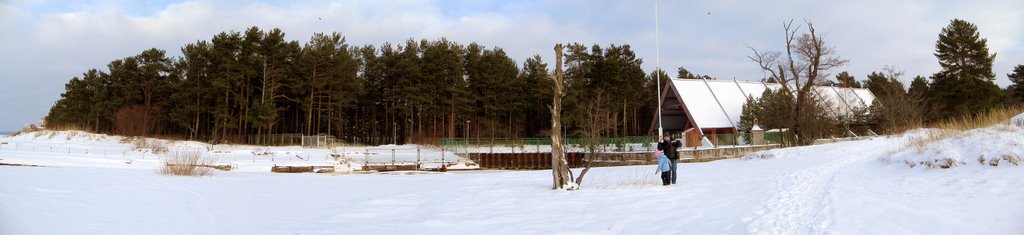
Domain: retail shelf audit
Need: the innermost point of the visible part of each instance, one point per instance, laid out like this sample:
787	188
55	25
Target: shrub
187	164
144	144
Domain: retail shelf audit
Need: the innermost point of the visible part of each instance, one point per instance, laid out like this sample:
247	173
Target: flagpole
657	73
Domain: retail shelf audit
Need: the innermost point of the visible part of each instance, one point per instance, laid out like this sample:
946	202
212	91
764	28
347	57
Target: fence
319	141
540	145
386	158
606	145
124	153
522	161
522	145
537	161
749	139
293	139
274	140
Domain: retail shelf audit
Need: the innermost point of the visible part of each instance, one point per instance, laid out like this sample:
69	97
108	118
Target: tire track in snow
801	202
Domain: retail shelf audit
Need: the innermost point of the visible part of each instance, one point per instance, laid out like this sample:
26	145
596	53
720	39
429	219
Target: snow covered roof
719	103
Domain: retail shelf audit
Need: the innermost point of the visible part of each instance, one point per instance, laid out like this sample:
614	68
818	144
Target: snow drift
999	145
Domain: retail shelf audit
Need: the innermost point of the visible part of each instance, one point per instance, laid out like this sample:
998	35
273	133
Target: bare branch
806	61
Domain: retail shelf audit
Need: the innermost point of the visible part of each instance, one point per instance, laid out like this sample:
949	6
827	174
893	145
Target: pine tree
845	80
273	62
327	64
226	71
535	73
683	73
649	98
750	110
774	111
918	87
193	96
443	68
964	85
884	85
1016	90
240	85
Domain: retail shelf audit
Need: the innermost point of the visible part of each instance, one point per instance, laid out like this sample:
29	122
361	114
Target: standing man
669	146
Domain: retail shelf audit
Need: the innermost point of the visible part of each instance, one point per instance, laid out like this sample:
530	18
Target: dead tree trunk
559	165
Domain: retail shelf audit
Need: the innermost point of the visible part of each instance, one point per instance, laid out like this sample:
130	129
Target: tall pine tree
964	85
1016	90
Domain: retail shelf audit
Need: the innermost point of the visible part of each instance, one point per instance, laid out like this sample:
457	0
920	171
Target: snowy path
801	200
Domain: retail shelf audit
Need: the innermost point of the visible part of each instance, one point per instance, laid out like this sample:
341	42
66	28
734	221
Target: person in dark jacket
670	145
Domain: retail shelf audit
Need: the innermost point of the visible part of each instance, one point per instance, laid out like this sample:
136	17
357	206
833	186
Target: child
663	167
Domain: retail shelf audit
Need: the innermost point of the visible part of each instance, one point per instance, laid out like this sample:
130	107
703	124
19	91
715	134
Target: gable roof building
714	106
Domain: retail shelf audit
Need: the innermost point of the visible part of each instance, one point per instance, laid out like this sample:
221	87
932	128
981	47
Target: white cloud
46	43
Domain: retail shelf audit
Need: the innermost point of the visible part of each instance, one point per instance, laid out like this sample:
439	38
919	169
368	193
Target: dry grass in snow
943	130
991	139
187	164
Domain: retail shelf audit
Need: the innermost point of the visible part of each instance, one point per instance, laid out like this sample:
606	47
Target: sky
44	44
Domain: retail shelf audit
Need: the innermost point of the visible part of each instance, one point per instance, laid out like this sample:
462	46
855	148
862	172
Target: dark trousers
672	168
664	177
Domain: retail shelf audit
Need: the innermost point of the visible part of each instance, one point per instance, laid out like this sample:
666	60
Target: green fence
745	139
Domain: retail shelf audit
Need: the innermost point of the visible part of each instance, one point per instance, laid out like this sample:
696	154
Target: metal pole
657	76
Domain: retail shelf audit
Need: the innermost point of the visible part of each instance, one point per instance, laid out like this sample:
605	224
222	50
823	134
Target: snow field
855	187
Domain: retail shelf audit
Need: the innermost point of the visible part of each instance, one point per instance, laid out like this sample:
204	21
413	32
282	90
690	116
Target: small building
698	107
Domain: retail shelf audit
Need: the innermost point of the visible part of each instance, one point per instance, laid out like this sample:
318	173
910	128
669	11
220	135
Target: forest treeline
256	83
240	85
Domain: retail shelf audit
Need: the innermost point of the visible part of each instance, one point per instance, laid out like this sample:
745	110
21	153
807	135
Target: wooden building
698	107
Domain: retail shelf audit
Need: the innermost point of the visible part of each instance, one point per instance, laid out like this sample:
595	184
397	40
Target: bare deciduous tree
894	110
806	60
597	125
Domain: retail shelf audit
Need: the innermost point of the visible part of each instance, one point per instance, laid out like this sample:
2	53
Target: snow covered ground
844	188
81	149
